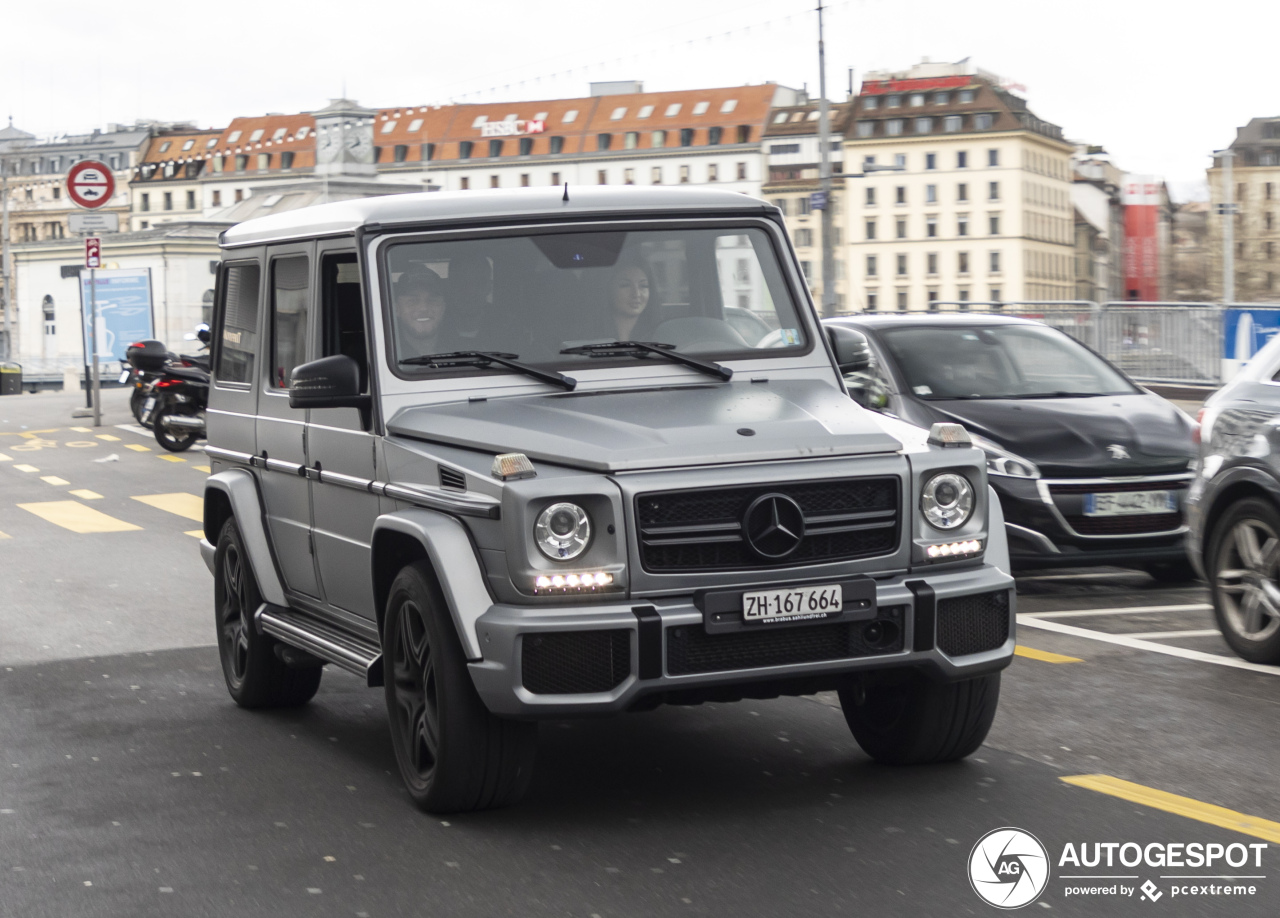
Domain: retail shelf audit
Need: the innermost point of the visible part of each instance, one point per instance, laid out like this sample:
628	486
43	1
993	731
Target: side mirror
853	353
330	382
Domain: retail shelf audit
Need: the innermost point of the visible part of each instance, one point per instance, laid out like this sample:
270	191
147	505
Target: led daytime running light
581	582
954	549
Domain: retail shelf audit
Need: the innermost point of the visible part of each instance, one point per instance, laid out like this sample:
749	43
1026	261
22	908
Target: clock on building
344	139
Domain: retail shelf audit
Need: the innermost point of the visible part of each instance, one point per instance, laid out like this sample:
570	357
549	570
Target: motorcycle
174	402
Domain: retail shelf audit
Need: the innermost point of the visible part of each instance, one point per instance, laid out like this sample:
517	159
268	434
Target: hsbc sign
511	128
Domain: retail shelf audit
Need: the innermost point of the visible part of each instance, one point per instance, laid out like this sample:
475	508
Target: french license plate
124	376
1128	503
795	604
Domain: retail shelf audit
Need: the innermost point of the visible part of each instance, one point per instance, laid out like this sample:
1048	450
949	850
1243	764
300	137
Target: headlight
947	500
1002	462
562	531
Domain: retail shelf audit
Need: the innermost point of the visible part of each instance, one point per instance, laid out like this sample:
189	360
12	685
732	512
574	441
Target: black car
1090	468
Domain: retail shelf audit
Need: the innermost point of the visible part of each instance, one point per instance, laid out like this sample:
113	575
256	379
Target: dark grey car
1234	507
510	456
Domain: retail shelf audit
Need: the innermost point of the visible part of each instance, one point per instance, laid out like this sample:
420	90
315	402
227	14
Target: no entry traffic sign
90	184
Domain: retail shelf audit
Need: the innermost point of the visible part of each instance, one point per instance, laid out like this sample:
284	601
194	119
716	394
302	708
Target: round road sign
90	184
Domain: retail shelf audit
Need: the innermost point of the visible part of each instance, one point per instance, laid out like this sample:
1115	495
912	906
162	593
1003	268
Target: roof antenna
566	192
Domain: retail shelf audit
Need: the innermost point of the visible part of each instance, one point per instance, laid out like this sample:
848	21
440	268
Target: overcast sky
1160	85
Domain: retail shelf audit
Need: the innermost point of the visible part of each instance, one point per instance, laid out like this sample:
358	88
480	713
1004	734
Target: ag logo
1008	868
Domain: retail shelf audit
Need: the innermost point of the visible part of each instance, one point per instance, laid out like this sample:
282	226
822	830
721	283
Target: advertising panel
1142	238
124	310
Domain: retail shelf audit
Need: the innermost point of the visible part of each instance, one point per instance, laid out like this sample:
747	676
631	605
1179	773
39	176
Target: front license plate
1128	503
124	376
794	604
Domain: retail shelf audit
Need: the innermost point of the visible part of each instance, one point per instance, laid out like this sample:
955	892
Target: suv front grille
972	624
702	530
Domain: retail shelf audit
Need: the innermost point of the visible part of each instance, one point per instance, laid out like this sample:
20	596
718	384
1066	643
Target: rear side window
239	323
289	301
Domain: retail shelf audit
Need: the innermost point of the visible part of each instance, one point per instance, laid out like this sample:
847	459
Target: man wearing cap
419	296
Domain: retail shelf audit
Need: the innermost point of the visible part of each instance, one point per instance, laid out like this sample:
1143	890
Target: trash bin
10	379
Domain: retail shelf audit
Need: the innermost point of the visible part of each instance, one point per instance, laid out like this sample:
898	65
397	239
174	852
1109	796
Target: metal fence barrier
1168	343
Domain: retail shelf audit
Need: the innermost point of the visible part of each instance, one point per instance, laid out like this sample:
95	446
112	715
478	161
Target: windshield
1001	361
714	292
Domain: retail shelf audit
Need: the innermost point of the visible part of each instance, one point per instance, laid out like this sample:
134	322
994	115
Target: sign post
90	184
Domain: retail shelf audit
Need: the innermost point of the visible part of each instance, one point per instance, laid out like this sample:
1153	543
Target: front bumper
647	634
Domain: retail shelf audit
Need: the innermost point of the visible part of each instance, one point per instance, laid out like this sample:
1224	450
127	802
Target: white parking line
1123	610
1125	640
1092	576
136	428
1159	635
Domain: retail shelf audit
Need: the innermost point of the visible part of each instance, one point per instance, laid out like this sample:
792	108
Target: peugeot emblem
1117	451
774	526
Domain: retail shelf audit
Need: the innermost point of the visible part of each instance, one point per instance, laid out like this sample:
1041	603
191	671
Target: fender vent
452	479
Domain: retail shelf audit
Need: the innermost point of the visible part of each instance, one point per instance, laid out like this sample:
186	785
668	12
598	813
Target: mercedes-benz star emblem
774	526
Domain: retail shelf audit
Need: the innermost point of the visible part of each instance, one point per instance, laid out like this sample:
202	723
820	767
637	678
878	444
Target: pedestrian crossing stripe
187	505
169	457
137	447
54	480
85	494
4	458
198	533
73	515
5	535
202	468
26	468
109	438
81	429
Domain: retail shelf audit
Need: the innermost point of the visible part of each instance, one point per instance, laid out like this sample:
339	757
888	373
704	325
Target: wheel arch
1241	484
233	494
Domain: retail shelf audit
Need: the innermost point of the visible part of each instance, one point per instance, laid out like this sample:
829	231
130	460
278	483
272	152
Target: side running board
364	658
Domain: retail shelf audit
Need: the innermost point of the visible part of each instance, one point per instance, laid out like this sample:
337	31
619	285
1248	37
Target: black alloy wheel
1243	564
413	672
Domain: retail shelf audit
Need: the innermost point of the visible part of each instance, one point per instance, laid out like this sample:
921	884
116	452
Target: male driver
419	297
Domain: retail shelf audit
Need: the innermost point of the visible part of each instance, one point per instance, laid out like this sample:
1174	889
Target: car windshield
999	361
716	293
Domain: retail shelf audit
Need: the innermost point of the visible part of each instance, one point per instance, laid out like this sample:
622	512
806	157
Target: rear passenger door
338	442
233	399
281	429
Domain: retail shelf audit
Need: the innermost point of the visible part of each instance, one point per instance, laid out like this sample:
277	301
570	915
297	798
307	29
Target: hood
1073	437
610	431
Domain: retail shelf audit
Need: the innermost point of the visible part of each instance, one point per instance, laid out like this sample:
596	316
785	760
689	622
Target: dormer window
645	111
233	136
673	109
415	125
479	120
302	133
389	126
570	116
728	106
701	108
278	135
618	113
256	135
164	147
188	145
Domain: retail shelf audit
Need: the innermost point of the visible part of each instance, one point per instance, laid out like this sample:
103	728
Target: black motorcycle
174	400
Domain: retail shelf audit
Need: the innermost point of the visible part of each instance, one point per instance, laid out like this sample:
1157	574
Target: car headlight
947	501
1002	462
562	531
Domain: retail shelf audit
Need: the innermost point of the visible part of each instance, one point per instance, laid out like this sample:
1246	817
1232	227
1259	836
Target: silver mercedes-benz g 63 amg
518	455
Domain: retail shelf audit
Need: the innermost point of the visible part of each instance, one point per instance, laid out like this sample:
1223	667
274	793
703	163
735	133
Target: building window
146	203
400	153
242	162
713	172
894	101
686	137
964	96
871	230
963	297
658	139
603	141
962	191
924	125
993	224
900	160
900	195
464	183
806	268
803	206
931	263
524	179
902	301
1268	191
526	146
983	121
893	127
495	181
744	133
557	144
781	204
870	197
684	175
1268	219
555	178
57	193
870	104
931	227
264	162
428	152
804	238
217	198
994	265
602	177
286	160
1240	191
902	265
239	195
191	200
952	124
742	172
931	194
995	294
495	148
993	191
873	300
933	300
930	161
900	228
962	225
464	149
866	128
962	262
631	140
713	136
916	99
993	157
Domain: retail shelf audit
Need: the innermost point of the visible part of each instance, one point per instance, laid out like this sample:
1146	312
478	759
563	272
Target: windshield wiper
488	358
644	349
1061	393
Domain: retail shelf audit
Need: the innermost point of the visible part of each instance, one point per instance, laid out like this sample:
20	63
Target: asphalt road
130	785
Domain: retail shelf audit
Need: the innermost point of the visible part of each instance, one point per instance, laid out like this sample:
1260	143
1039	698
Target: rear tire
174	443
255	676
136	400
900	717
453	754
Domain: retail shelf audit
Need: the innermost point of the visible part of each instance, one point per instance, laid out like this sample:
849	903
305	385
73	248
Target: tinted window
343	310
239	323
288	317
1005	361
536	295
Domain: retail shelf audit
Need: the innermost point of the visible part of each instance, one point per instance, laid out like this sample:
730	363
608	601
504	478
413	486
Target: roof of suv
484	207
893	320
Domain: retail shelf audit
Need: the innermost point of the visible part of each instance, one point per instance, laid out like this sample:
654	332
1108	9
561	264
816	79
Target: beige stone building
1256	192
981	210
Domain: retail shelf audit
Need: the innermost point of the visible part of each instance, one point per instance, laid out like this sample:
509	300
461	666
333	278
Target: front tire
255	676
903	718
453	754
1243	563
174	443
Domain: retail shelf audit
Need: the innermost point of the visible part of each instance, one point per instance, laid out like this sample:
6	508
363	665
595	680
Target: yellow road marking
137	447
81	429
1180	806
73	515
170	457
198	533
188	505
107	437
86	494
202	468
26	468
5	535
4	458
54	480
1044	656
